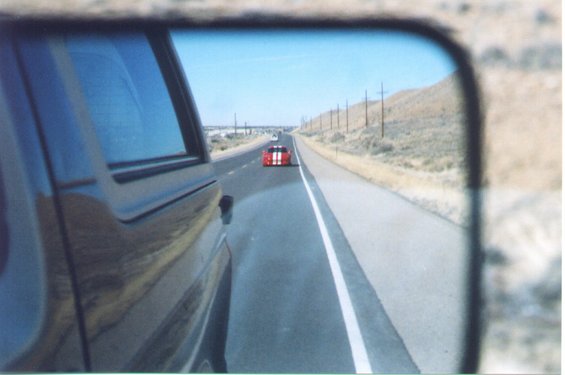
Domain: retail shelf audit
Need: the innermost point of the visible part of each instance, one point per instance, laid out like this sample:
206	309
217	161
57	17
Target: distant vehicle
274	138
277	155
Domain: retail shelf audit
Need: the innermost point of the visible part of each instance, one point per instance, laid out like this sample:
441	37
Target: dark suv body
112	246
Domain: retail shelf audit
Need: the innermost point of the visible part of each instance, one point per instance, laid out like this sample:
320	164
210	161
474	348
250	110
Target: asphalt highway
301	302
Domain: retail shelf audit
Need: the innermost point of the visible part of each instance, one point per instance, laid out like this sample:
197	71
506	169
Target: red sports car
277	155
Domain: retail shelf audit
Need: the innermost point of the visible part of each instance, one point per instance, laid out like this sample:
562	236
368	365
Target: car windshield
277	149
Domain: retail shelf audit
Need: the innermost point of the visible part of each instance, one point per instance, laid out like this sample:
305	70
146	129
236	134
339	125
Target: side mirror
226	207
371	262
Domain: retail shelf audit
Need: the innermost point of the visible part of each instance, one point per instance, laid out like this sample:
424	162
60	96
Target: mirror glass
352	258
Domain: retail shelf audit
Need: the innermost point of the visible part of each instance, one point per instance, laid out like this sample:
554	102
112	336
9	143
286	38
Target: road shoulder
241	149
403	250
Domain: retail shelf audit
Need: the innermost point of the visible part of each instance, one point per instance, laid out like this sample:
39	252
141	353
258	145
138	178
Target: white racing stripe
356	343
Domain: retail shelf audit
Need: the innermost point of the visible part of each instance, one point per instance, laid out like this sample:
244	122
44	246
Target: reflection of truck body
112	253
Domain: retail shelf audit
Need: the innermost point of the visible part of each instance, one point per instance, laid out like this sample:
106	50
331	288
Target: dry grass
421	155
427	189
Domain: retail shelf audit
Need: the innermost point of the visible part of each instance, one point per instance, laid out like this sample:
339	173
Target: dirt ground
516	47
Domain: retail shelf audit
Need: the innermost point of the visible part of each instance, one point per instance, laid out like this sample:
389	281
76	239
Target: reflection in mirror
354	259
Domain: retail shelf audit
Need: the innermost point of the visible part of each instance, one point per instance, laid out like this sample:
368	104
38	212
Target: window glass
127	97
276	149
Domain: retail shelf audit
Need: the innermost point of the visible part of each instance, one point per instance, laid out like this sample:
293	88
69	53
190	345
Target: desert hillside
420	154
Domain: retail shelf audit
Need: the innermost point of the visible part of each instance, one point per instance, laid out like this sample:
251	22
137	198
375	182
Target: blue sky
277	78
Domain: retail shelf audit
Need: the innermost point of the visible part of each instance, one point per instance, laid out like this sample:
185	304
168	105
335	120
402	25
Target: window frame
139	190
131	170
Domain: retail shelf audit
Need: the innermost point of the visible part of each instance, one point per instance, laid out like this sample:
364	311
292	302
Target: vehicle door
136	191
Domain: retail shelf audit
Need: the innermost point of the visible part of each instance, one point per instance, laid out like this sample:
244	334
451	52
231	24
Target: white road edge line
356	343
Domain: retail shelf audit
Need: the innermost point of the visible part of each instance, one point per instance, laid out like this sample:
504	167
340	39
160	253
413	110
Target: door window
127	98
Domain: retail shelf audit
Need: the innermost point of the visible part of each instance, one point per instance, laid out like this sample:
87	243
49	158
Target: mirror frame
427	29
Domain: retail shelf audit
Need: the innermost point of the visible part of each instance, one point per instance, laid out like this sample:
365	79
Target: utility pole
346	116
331	113
366	111
338	115
382	112
245	133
